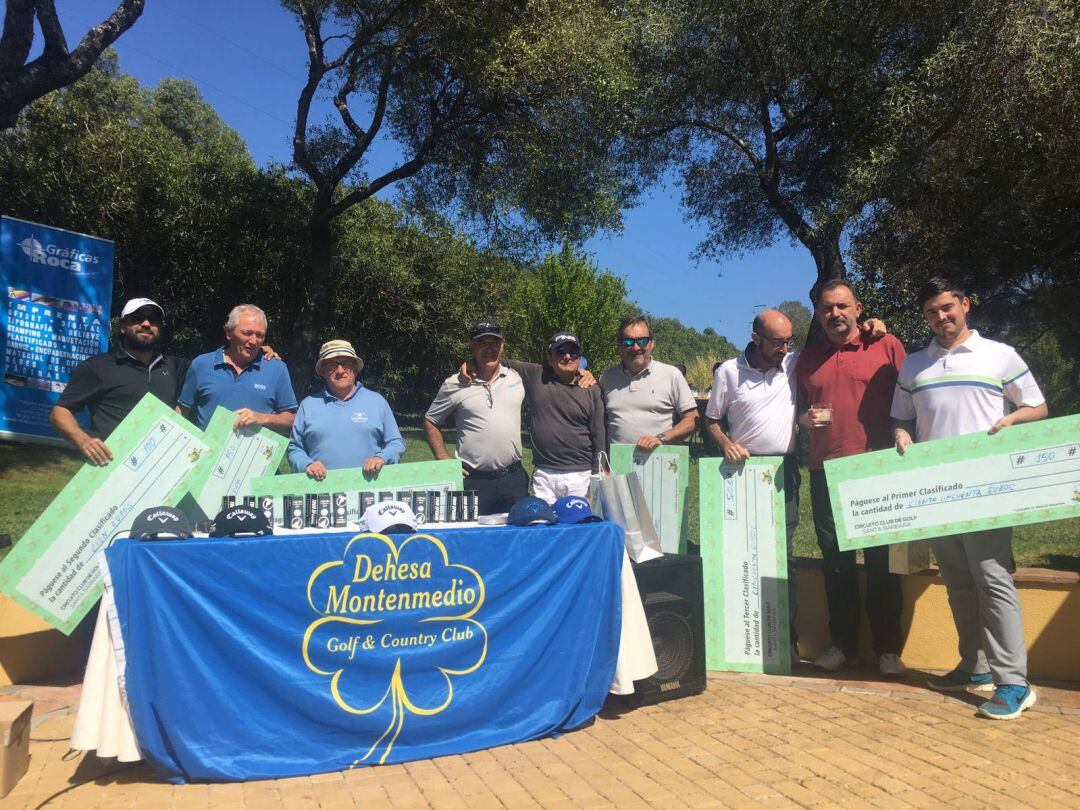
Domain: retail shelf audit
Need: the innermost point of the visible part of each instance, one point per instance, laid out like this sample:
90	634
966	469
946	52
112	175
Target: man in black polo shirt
111	384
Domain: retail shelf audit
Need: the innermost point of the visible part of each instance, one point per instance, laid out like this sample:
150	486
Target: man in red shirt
845	387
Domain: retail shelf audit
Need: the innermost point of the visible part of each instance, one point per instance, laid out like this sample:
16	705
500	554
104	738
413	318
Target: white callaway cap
379	516
138	303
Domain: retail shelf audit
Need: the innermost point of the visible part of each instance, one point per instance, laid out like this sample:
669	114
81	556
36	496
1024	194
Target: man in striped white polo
964	383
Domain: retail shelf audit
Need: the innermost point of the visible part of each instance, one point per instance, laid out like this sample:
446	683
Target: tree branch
53	33
55	68
17	38
316	71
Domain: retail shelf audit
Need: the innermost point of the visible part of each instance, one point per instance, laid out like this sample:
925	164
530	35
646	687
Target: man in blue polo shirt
345	426
239	378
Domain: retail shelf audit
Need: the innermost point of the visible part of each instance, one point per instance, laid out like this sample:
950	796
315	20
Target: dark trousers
499	489
884	600
792	481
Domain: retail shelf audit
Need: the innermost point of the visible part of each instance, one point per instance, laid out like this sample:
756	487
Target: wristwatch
661	437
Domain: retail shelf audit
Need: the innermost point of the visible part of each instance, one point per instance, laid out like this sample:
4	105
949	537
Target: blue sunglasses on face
562	351
642	342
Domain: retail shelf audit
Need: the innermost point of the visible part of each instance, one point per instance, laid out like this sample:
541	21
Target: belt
474	473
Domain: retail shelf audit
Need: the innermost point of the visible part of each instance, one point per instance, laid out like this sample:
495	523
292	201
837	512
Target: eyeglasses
640	342
335	363
135	319
563	351
779	341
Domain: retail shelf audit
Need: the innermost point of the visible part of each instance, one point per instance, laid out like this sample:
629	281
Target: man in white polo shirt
486	411
647	403
755	392
963	383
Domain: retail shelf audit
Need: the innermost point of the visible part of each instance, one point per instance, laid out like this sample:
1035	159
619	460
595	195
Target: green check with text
1023	474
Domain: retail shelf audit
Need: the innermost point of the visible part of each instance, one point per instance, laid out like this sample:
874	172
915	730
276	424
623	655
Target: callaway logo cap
530	511
160	522
561	339
478	330
241	521
574	509
135	304
389	517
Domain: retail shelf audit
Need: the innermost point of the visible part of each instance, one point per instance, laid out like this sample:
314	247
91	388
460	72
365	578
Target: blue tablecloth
281	656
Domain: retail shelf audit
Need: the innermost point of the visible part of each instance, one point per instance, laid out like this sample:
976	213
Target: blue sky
248	58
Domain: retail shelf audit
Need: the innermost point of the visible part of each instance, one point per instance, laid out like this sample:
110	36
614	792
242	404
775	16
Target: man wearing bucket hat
347	425
109	385
241	377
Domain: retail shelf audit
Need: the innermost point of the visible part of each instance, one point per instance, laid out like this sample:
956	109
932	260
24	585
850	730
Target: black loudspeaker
673	596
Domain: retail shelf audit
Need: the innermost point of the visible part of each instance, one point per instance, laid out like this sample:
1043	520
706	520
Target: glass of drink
821	414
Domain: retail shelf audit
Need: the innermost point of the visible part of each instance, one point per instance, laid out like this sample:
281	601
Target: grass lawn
32	475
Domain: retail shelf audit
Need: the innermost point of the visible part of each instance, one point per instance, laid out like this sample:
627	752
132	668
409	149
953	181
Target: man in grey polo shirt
487	416
648	403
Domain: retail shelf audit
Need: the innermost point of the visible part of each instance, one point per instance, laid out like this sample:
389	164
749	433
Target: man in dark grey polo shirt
566	421
487	415
111	384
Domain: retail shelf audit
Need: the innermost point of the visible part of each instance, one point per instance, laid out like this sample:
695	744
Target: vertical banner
665	475
744	556
57	289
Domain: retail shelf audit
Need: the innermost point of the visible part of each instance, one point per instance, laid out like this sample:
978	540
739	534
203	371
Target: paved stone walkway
749	741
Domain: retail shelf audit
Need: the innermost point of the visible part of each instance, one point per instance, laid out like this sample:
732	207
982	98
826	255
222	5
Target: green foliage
677	343
566	291
772	109
801	317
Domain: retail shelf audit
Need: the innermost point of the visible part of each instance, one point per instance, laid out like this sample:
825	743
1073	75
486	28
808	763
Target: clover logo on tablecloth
396	627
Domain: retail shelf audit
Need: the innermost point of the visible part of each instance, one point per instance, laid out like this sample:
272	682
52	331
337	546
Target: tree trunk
304	346
830	264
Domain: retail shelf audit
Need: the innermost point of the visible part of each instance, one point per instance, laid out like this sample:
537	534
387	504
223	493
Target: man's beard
135	343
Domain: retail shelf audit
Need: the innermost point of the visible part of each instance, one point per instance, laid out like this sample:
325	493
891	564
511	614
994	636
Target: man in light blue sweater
345	426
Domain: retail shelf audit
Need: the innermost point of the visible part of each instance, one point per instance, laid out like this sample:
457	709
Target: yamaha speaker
671	591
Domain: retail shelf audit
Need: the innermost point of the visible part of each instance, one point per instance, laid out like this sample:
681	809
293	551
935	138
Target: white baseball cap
136	304
380	516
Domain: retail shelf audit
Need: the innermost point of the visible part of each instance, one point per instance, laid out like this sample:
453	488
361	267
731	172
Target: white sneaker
891	666
831	660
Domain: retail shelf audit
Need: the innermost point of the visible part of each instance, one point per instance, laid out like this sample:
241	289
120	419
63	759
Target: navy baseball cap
160	521
240	521
479	330
574	509
529	511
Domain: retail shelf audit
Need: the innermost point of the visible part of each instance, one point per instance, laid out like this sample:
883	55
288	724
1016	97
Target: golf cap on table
531	511
338	348
574	509
241	521
160	522
135	304
394	517
479	330
561	339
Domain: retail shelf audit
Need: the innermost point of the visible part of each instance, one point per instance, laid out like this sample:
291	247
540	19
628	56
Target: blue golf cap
574	509
529	511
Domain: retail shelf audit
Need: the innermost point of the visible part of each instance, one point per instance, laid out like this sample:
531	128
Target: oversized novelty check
236	456
444	475
53	570
1023	474
664	474
744	556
